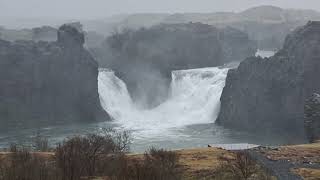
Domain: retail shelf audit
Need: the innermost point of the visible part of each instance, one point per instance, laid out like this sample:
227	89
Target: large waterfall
195	99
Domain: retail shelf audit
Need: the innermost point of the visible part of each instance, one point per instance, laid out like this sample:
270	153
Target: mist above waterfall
194	99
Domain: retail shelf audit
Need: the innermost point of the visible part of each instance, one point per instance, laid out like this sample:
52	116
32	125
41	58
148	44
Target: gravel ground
281	169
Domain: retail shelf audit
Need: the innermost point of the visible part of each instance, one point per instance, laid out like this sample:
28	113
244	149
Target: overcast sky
102	8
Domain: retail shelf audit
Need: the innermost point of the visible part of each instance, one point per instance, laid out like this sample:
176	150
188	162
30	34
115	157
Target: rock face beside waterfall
144	58
312	117
44	83
269	94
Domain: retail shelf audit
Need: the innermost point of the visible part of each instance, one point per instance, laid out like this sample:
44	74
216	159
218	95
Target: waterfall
195	99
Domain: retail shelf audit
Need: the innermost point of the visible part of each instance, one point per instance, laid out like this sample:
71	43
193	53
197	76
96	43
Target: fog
90	9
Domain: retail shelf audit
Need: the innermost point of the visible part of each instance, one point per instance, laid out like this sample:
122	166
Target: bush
40	143
90	155
242	167
75	158
157	165
13	147
23	165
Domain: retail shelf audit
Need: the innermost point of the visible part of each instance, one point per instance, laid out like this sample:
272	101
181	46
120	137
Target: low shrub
158	164
21	164
91	155
242	167
40	143
85	157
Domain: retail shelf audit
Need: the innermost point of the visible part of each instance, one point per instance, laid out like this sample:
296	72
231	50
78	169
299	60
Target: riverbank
282	162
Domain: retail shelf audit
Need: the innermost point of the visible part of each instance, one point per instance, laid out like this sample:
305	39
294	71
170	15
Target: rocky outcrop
312	118
46	83
145	58
48	34
268	94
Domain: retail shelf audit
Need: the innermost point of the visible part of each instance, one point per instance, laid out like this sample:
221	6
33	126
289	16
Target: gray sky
102	8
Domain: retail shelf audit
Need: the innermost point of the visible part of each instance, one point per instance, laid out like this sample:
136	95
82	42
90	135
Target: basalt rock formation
269	94
46	83
144	58
312	118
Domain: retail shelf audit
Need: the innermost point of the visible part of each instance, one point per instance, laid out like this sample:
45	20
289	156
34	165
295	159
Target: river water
185	120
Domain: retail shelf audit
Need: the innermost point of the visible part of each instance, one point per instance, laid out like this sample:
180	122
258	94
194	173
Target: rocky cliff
45	83
269	94
312	118
144	58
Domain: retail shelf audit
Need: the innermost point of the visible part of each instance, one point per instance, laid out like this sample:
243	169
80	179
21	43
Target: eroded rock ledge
268	94
46	83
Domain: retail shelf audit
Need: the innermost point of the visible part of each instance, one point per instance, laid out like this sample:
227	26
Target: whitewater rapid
185	120
195	99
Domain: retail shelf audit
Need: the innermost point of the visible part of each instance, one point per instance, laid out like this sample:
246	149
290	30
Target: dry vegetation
215	164
308	173
105	157
200	163
23	165
88	157
242	167
307	153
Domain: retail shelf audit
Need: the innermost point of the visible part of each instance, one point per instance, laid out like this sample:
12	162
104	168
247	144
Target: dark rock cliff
145	58
46	83
312	118
268	94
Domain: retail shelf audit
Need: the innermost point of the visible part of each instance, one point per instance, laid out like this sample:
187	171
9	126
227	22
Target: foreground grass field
198	163
305	153
190	164
308	173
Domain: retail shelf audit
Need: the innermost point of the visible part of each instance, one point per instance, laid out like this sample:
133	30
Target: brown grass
297	153
202	163
308	174
22	164
196	163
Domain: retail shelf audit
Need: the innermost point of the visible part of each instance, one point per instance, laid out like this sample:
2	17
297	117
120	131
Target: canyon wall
47	83
269	94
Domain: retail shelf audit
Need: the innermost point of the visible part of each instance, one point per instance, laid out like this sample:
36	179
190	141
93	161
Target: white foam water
195	99
185	120
265	53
